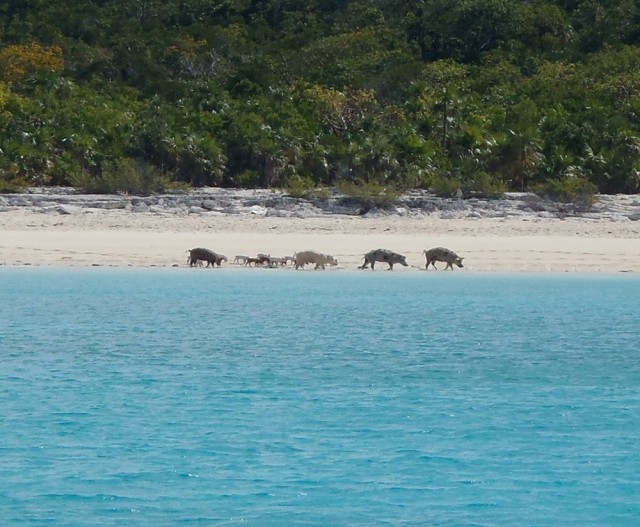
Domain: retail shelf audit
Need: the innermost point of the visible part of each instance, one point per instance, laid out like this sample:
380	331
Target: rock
209	204
278	213
139	207
258	210
269	202
66	209
20	202
301	214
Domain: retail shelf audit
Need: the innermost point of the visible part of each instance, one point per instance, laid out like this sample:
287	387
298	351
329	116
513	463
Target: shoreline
239	270
518	242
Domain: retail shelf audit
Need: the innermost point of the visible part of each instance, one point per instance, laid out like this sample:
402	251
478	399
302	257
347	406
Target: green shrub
178	187
320	193
248	179
13	185
123	175
477	184
575	190
299	186
369	193
305	187
444	185
484	185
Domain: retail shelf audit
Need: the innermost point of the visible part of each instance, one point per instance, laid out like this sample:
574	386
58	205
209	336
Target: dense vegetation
456	96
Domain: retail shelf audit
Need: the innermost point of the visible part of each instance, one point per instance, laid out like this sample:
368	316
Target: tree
519	147
19	60
463	30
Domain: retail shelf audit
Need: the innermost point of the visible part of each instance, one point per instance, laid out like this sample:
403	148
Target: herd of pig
200	255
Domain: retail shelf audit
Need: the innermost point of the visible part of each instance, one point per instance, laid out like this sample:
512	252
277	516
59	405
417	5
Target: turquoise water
277	398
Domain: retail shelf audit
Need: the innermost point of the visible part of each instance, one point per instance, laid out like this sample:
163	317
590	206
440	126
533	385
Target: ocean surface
340	398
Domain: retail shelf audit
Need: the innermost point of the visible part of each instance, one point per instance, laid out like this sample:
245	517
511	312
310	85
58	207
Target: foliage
369	194
18	60
466	97
305	187
12	185
482	184
444	185
128	176
575	190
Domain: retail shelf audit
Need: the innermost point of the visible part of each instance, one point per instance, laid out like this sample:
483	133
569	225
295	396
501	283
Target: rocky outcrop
215	201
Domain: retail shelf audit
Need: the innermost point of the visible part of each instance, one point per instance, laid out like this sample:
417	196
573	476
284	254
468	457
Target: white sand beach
124	238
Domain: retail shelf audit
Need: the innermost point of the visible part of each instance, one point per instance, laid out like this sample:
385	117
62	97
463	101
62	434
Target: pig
313	257
383	255
442	254
206	255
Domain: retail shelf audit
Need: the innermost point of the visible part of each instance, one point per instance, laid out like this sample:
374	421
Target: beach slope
124	238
